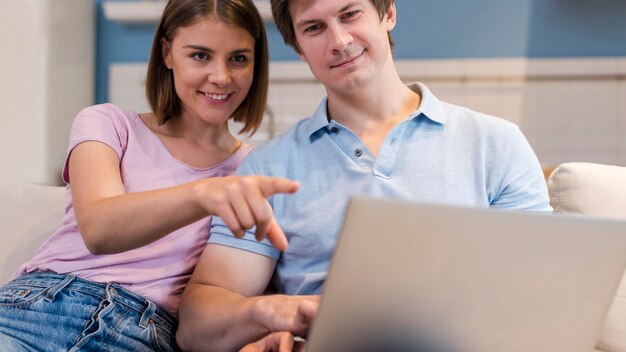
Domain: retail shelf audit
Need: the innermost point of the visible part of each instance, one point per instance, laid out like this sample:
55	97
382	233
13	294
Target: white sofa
31	213
596	190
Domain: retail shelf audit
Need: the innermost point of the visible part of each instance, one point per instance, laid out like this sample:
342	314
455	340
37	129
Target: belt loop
110	291
145	317
52	291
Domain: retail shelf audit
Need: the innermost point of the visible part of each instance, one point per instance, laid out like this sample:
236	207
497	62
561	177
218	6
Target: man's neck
382	102
373	110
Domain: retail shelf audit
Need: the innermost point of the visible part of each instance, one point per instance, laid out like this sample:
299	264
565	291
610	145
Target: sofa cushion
587	188
30	213
595	190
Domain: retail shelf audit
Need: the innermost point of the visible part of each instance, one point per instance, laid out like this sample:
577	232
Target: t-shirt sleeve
221	234
522	185
103	123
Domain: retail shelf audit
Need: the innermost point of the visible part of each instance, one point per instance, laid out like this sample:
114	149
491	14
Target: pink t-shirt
158	271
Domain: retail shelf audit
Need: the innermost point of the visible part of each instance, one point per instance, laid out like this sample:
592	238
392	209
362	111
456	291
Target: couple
144	186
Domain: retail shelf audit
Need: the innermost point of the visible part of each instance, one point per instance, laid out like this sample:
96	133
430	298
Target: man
372	135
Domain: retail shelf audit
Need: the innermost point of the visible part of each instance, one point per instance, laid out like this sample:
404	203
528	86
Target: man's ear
390	16
296	47
165	52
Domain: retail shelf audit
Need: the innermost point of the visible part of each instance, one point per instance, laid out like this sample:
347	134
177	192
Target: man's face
344	42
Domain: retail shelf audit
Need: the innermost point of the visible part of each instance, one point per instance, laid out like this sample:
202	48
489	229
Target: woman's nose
219	74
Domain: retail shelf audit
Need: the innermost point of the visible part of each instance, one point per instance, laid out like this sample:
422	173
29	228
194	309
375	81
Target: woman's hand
241	202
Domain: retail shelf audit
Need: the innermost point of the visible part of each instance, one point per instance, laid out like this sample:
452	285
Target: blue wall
437	30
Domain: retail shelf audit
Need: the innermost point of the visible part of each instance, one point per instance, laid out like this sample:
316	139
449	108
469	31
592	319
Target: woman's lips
216	97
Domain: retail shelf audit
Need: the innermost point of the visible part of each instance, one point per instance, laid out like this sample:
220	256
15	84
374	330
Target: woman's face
213	68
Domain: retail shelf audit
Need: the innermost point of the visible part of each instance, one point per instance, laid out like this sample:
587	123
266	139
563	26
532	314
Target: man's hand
307	309
282	341
293	314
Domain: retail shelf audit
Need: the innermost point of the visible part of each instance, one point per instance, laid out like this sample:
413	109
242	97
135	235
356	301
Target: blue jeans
52	312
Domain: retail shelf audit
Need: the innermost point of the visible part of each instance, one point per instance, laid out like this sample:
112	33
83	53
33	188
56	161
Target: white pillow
596	190
591	189
30	213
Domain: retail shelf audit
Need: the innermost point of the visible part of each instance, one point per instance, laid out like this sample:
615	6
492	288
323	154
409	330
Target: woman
142	188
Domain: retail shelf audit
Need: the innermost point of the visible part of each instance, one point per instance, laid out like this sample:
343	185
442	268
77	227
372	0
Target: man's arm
223	309
522	185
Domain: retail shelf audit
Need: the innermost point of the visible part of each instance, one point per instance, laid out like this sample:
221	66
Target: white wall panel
47	77
569	109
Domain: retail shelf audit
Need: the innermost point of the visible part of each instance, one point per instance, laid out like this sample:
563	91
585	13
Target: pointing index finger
272	185
276	236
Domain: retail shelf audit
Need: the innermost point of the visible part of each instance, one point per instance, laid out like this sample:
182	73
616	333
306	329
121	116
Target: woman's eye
239	58
200	56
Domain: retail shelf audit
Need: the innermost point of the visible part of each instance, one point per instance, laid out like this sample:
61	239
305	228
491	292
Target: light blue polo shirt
440	153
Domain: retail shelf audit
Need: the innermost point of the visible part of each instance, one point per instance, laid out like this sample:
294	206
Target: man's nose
338	37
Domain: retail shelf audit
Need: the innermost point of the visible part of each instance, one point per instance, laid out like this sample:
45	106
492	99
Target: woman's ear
165	52
390	16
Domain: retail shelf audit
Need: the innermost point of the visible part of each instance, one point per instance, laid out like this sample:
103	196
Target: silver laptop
431	278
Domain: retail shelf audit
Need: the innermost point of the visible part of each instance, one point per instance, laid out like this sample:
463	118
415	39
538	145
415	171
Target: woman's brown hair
160	90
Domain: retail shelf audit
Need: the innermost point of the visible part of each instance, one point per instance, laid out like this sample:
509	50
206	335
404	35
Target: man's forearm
215	319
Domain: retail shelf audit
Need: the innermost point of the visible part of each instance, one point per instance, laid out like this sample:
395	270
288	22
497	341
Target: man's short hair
282	18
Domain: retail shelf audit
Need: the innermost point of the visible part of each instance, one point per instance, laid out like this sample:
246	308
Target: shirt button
358	152
334	130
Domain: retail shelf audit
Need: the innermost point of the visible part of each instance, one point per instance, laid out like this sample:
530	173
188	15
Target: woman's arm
112	221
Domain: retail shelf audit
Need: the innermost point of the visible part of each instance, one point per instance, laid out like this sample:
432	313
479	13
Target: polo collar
431	107
319	119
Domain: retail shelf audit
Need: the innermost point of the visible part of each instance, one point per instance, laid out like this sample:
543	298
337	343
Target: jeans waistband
113	291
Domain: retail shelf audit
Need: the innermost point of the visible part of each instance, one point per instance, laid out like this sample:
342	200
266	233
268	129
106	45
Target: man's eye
351	14
200	56
312	28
